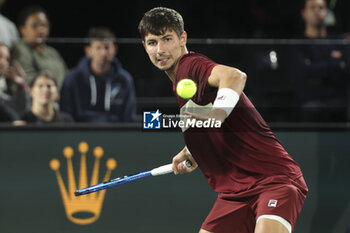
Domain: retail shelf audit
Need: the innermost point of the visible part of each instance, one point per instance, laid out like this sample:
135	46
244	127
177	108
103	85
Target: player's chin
165	67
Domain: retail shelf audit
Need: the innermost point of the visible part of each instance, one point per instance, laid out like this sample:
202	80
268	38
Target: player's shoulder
194	61
192	56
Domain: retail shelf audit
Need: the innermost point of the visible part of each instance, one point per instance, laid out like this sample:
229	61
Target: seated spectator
33	54
319	72
8	30
44	92
13	89
99	89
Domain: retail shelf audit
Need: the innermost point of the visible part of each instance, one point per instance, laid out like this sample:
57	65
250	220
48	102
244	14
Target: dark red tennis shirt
244	151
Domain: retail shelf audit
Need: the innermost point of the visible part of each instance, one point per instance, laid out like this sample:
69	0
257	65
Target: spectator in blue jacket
99	89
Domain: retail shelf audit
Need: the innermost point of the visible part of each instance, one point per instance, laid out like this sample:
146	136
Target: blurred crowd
37	87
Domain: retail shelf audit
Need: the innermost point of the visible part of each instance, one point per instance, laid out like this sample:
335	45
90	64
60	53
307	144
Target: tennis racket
162	170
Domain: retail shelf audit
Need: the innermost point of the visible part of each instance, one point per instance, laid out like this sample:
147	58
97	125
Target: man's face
165	50
315	13
36	28
101	52
4	59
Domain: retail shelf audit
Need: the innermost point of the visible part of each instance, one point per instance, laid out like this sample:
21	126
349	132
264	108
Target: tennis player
260	187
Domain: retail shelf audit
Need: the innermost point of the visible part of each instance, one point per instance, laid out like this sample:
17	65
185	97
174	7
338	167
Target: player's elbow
240	76
237	79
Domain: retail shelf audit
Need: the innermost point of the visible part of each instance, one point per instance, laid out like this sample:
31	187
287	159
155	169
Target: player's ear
183	38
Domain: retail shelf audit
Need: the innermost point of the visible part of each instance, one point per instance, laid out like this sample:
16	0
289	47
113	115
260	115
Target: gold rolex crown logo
92	203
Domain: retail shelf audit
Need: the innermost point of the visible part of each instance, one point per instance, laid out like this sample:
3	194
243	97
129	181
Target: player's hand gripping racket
166	169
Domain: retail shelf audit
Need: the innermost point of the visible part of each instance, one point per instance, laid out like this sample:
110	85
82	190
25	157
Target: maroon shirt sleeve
196	67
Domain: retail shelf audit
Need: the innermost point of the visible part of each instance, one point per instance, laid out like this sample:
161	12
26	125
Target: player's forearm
230	83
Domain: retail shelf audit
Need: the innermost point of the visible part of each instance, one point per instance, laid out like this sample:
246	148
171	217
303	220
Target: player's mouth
163	60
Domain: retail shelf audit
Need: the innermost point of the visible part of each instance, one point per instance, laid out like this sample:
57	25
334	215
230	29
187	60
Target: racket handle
165	169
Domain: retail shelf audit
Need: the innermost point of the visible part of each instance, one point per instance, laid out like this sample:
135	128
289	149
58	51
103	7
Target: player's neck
172	71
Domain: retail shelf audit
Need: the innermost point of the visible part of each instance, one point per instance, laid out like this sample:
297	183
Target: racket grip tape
162	170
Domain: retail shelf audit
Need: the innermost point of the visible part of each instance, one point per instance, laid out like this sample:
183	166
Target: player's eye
151	43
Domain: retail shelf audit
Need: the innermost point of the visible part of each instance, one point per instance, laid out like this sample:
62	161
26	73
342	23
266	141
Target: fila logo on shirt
272	203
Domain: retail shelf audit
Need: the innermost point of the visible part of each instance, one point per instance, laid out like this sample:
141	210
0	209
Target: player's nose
160	48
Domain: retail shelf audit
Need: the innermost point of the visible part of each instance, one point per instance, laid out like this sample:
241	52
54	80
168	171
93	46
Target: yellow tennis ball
186	88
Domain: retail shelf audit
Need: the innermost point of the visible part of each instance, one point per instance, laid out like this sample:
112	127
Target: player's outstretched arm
227	77
178	166
230	83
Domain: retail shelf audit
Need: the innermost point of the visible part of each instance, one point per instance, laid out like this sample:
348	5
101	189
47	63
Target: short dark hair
101	34
44	73
28	11
160	19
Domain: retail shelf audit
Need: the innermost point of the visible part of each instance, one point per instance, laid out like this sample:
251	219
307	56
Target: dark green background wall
30	200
